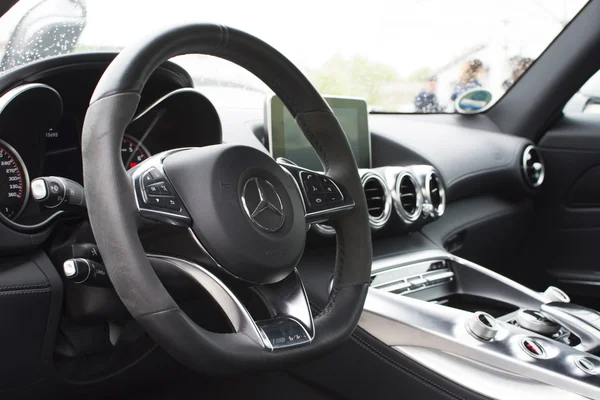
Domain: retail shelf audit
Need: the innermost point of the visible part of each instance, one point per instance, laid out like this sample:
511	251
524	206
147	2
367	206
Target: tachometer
133	152
14	182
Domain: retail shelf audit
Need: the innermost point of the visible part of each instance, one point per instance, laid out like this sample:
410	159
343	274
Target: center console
483	330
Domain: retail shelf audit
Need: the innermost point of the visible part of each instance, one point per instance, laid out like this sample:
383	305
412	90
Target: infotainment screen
287	140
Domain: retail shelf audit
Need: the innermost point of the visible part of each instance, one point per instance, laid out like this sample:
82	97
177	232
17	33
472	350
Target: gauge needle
159	115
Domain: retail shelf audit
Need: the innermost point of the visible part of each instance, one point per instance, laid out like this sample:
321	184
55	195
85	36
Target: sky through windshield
387	52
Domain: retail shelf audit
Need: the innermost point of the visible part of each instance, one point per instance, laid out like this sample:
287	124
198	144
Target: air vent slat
409	201
378	200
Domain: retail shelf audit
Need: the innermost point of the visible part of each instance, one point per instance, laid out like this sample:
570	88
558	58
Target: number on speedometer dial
14	182
133	152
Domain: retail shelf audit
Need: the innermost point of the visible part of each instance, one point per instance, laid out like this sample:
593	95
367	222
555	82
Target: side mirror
473	101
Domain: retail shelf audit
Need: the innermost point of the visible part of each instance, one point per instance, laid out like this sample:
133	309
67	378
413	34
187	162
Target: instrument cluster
40	136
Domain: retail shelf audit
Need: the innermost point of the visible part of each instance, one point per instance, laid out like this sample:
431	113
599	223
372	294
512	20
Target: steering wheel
246	212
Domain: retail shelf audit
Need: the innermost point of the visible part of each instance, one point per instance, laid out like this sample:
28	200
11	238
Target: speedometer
14	182
133	152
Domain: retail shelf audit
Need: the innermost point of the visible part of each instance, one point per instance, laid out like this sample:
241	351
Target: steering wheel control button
157	201
533	348
164	188
333	198
586	365
283	332
313	187
537	322
320	190
153	189
173	204
482	325
317	199
150	176
308	177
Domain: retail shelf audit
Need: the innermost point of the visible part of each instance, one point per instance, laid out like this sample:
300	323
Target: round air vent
379	201
409	202
436	195
533	167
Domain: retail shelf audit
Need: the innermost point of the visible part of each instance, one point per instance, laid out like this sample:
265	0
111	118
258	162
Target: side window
587	99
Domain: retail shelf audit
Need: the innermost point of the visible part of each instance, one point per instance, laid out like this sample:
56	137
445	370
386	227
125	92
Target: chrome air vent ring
408	199
435	193
379	200
533	167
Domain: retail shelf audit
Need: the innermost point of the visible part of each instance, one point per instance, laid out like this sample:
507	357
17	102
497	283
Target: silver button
38	189
417	281
482	325
585	365
69	268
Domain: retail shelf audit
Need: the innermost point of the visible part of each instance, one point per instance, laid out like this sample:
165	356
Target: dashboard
409	180
421	195
41	126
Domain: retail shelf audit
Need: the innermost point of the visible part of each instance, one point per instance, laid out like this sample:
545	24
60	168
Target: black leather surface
15	275
113	214
219	219
30	296
473	162
112	209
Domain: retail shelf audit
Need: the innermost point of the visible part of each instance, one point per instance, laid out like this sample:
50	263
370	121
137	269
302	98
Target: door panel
568	208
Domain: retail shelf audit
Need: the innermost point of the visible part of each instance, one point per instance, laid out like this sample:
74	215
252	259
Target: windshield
404	56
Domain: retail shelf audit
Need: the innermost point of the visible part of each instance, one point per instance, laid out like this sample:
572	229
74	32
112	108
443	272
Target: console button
537	322
533	348
586	365
482	325
437	277
416	282
399	287
317	200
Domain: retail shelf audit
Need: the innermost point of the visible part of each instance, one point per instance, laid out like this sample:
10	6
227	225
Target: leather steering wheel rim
115	218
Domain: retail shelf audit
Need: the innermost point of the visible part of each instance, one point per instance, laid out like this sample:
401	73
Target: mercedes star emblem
263	204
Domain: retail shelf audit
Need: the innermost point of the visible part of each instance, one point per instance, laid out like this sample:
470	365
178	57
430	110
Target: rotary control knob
537	322
482	325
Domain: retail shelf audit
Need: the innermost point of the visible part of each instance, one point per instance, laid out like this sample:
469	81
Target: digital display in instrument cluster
63	150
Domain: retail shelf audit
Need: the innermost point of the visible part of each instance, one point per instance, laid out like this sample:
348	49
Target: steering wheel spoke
291	322
155	195
323	198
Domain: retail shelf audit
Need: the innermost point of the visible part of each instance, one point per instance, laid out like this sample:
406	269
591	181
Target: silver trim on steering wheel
291	323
